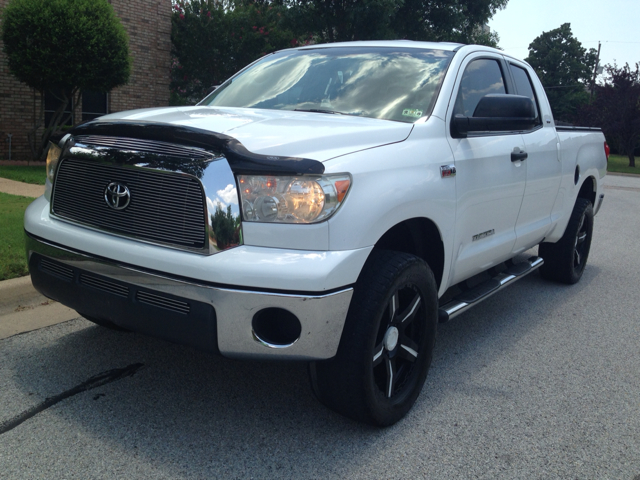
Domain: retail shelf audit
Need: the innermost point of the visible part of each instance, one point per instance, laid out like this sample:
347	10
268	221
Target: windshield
388	83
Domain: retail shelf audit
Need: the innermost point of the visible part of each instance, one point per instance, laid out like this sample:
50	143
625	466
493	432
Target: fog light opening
276	327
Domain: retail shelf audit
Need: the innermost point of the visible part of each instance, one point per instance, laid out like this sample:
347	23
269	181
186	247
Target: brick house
148	23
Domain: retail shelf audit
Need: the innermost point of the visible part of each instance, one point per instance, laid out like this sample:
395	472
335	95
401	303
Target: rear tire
386	346
566	260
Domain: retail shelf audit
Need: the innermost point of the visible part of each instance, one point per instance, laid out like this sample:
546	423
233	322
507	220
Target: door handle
521	155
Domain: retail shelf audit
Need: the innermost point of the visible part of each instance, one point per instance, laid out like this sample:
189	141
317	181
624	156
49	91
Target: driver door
490	184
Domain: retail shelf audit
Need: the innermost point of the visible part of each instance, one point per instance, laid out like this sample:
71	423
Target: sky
615	23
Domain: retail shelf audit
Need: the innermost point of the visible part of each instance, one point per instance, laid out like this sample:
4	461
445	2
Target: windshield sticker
412	112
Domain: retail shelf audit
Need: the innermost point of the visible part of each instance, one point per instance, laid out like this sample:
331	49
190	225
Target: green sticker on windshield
412	112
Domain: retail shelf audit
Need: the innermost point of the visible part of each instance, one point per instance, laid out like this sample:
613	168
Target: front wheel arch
420	237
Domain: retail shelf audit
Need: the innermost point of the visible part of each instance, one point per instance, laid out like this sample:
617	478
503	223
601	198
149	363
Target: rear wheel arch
588	190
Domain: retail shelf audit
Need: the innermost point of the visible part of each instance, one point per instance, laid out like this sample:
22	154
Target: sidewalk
22	308
18	188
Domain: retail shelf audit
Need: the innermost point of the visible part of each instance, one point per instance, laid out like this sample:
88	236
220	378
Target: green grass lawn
36	174
13	262
620	164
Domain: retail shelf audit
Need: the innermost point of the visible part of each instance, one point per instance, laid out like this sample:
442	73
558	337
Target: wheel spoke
408	349
577	257
391	380
581	237
393	305
377	356
409	313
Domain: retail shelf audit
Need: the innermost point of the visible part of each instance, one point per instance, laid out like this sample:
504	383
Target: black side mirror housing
496	113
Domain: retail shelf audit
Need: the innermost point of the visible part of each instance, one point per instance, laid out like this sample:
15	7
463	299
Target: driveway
539	381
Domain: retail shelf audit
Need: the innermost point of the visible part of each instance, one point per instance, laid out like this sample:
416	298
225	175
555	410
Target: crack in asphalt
96	381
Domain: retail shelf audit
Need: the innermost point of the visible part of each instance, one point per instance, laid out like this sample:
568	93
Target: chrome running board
471	297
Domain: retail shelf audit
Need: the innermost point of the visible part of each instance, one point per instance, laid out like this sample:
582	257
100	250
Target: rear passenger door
489	185
543	164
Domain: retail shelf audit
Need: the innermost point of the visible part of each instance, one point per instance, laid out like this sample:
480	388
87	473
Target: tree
440	20
346	20
447	20
564	68
212	40
64	47
616	109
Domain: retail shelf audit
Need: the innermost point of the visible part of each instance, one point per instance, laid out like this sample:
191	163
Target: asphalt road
541	381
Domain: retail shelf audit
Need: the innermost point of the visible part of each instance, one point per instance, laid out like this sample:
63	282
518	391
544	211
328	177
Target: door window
524	87
480	78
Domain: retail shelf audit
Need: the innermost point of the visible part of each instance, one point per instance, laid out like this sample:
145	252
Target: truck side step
470	297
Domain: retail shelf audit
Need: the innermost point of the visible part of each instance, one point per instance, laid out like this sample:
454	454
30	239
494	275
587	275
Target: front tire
387	343
566	260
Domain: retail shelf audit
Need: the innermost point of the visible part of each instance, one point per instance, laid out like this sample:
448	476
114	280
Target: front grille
165	207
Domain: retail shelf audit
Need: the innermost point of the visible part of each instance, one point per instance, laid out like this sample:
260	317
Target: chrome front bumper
208	316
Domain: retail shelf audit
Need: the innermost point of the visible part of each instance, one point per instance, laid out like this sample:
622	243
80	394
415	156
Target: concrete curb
23	309
18	292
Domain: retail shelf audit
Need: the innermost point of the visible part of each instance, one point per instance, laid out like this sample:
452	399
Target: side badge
447	171
482	235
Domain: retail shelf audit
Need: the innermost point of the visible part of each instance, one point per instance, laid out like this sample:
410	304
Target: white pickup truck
329	204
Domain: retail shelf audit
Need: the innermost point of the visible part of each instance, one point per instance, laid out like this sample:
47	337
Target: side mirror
496	113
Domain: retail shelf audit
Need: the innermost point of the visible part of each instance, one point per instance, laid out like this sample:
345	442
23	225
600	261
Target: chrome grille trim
56	269
161	301
166	208
138	145
104	285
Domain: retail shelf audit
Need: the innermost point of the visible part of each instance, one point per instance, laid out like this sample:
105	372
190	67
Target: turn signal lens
342	186
284	199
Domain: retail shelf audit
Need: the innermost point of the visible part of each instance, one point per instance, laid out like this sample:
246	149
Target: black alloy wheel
398	341
566	260
387	342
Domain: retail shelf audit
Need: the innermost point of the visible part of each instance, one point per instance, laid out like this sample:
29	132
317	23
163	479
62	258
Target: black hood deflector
241	160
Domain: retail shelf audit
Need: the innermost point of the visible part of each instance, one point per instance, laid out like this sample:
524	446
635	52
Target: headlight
280	199
53	156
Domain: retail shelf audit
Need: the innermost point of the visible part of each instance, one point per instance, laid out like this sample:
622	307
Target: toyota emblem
117	196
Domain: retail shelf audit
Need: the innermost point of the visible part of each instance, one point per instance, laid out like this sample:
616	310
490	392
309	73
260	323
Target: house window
52	100
94	105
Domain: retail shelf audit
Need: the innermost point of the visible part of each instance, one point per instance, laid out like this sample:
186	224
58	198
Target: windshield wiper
320	110
317	110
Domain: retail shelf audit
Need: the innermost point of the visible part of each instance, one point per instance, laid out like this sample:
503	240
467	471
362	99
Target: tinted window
524	86
480	78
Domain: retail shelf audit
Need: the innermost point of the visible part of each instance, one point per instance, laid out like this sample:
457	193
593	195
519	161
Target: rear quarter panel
581	151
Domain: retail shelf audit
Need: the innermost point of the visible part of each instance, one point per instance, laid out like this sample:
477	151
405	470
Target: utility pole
595	72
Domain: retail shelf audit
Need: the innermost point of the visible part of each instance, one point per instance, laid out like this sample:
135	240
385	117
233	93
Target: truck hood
316	136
